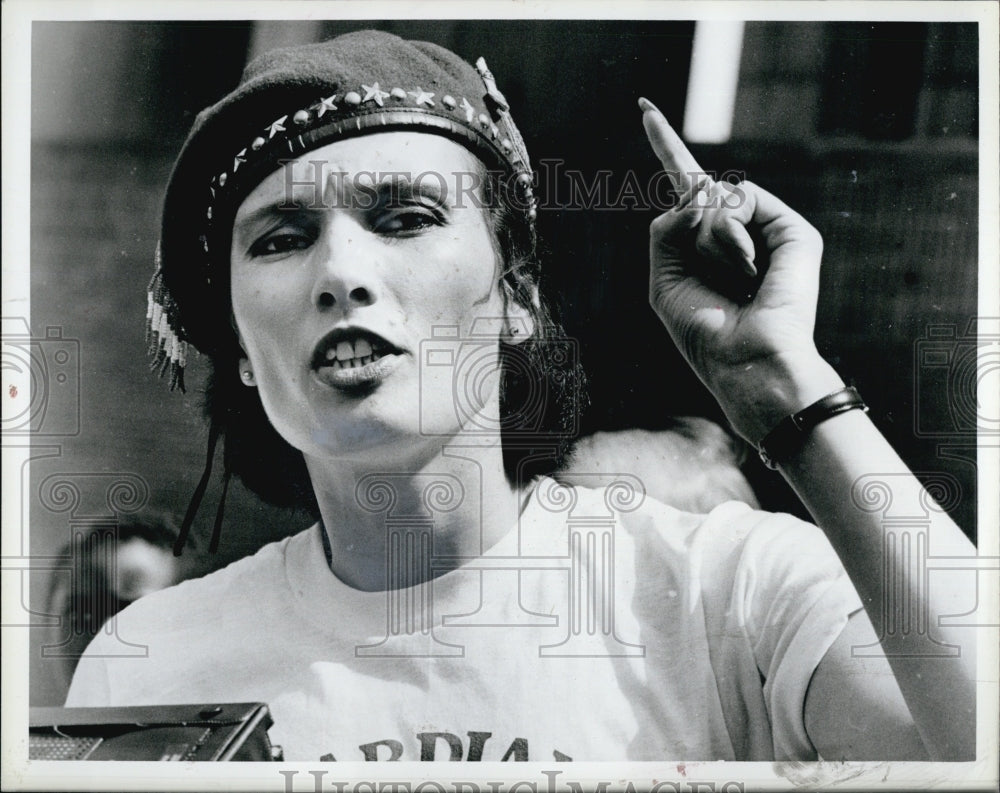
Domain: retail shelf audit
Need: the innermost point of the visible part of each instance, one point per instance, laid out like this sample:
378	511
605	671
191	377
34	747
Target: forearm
844	460
757	357
883	524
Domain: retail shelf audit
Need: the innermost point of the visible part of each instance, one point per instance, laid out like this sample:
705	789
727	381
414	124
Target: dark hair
542	390
93	594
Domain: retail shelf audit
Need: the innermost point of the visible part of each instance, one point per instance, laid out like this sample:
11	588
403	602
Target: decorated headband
352	85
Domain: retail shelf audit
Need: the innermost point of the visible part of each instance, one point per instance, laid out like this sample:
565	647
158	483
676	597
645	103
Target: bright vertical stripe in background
715	72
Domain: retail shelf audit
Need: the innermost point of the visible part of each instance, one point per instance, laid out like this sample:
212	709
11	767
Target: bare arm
755	352
938	689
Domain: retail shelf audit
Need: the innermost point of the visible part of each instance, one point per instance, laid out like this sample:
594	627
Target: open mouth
348	357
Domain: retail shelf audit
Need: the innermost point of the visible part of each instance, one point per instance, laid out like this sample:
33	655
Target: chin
380	439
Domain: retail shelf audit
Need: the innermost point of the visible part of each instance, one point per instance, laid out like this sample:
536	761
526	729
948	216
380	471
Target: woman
350	236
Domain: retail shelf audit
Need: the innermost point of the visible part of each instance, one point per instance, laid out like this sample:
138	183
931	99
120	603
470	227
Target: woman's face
357	274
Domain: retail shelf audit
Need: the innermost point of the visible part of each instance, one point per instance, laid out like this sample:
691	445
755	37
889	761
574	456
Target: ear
245	369
519	324
236	330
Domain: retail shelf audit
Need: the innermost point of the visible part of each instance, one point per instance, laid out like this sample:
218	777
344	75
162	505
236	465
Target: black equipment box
166	732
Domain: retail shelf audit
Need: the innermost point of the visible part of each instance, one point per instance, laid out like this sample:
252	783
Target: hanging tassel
327	548
166	344
199	492
213	546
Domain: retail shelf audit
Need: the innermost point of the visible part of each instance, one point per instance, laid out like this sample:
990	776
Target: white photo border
19	774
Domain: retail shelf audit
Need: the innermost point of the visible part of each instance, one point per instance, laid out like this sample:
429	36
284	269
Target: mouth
354	359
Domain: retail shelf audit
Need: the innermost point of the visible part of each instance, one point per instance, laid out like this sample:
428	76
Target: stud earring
247	376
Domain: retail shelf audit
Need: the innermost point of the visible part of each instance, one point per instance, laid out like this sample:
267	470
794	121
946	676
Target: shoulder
625	499
174	644
717	545
219	596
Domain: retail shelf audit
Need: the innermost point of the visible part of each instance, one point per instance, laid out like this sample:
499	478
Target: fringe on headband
166	344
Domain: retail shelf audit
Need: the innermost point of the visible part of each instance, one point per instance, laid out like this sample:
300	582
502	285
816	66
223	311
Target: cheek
260	305
464	282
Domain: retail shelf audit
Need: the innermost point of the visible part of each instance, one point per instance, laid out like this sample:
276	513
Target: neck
397	525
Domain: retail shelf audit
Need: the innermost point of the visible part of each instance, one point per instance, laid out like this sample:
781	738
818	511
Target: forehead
377	157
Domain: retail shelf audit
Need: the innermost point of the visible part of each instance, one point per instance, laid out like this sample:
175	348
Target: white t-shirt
587	633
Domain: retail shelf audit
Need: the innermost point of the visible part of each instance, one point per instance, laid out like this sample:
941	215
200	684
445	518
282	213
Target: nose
345	268
358	296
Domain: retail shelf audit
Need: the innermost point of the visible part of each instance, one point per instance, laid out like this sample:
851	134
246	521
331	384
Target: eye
282	241
407	220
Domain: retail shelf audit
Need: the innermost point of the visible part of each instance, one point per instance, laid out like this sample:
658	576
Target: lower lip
367	376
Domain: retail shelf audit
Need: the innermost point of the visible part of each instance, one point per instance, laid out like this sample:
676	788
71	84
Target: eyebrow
394	186
265	214
391	187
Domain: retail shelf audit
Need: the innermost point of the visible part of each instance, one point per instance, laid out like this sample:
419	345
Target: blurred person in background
693	465
108	572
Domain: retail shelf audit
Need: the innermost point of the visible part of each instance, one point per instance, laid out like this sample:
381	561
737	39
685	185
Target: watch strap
781	443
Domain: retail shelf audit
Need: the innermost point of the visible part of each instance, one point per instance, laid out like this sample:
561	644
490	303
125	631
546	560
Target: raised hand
743	318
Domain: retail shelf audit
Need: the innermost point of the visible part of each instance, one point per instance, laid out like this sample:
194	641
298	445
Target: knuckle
812	236
660	225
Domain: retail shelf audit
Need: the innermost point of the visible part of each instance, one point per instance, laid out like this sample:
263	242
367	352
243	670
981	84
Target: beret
289	101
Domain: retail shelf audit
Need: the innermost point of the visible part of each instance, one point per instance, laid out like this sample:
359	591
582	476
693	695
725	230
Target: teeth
345	351
346	355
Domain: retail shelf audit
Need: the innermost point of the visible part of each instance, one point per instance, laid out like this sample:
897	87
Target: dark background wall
868	129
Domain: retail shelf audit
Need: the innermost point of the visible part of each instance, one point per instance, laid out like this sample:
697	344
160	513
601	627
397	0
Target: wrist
760	395
783	442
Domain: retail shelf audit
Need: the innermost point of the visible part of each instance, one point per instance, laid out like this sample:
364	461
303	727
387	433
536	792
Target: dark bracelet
781	443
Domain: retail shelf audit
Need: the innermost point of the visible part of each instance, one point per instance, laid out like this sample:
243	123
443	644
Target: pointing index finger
679	164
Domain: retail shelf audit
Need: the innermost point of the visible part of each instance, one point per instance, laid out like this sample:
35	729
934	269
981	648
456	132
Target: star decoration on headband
422	97
276	127
491	85
373	92
470	112
499	129
324	104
